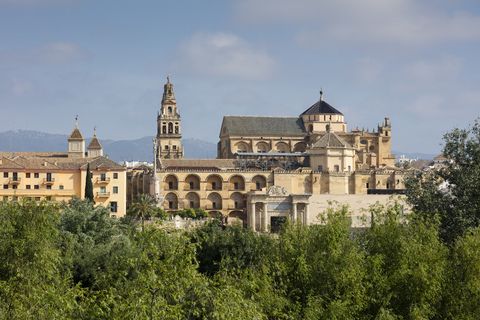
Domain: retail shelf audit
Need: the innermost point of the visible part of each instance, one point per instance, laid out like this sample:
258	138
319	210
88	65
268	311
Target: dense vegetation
75	262
72	261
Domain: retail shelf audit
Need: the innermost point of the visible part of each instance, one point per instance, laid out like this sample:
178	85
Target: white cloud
441	69
223	54
50	52
54	52
429	106
396	22
21	87
368	70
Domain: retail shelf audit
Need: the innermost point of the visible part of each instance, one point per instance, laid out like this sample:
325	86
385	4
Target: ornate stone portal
276	202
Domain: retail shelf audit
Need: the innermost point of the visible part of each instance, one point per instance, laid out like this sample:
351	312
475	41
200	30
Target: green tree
32	284
406	265
143	207
88	184
94	245
458	202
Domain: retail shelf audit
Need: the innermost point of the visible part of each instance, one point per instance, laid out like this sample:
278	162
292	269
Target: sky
413	61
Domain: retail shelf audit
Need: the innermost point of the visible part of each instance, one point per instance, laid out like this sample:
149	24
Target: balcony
48	181
14	180
211	207
235	207
103	194
102	180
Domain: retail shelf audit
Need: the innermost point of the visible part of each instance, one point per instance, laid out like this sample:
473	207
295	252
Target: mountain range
118	151
121	150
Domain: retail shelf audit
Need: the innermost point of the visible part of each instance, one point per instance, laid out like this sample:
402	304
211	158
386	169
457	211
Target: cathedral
271	168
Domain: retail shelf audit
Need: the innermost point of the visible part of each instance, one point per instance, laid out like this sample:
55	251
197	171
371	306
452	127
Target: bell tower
169	132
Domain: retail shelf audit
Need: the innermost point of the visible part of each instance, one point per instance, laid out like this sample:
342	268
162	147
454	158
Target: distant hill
419	156
138	149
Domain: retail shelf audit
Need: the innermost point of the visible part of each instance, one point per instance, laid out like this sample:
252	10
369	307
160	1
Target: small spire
95	131
76	121
168	78
321	94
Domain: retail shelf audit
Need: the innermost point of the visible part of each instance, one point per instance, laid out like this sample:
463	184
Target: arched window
336	168
169	110
170	128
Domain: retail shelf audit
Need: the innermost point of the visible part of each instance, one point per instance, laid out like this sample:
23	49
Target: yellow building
271	167
58	176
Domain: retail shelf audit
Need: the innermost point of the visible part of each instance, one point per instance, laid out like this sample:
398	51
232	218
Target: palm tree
143	207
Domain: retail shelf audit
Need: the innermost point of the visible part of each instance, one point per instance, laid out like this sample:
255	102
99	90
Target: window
191	204
14	198
170	204
388	186
14	186
320	168
258	186
176	129
113	206
236	204
27	175
164	129
103	176
235	185
15	176
60	187
191	185
103	190
170	185
214	205
36	186
36	175
115	190
115	175
367	185
91	175
214	185
37	198
5	186
174	147
49	187
28	187
166	147
5	174
49	198
49	177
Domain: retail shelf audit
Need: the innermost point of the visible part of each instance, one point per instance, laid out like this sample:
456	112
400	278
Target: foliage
143	207
93	243
458	202
406	265
403	164
88	184
192	213
31	284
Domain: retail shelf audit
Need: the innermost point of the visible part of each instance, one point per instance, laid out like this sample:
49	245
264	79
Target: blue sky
415	62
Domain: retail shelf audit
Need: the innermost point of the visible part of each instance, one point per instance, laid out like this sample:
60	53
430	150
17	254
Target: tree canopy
453	191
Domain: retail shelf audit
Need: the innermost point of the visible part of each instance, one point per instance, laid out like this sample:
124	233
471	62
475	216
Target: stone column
294	213
252	215
265	217
306	214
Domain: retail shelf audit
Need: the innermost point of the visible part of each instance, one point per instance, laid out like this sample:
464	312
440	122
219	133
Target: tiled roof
76	134
94	144
102	163
264	126
43	161
330	139
321	107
